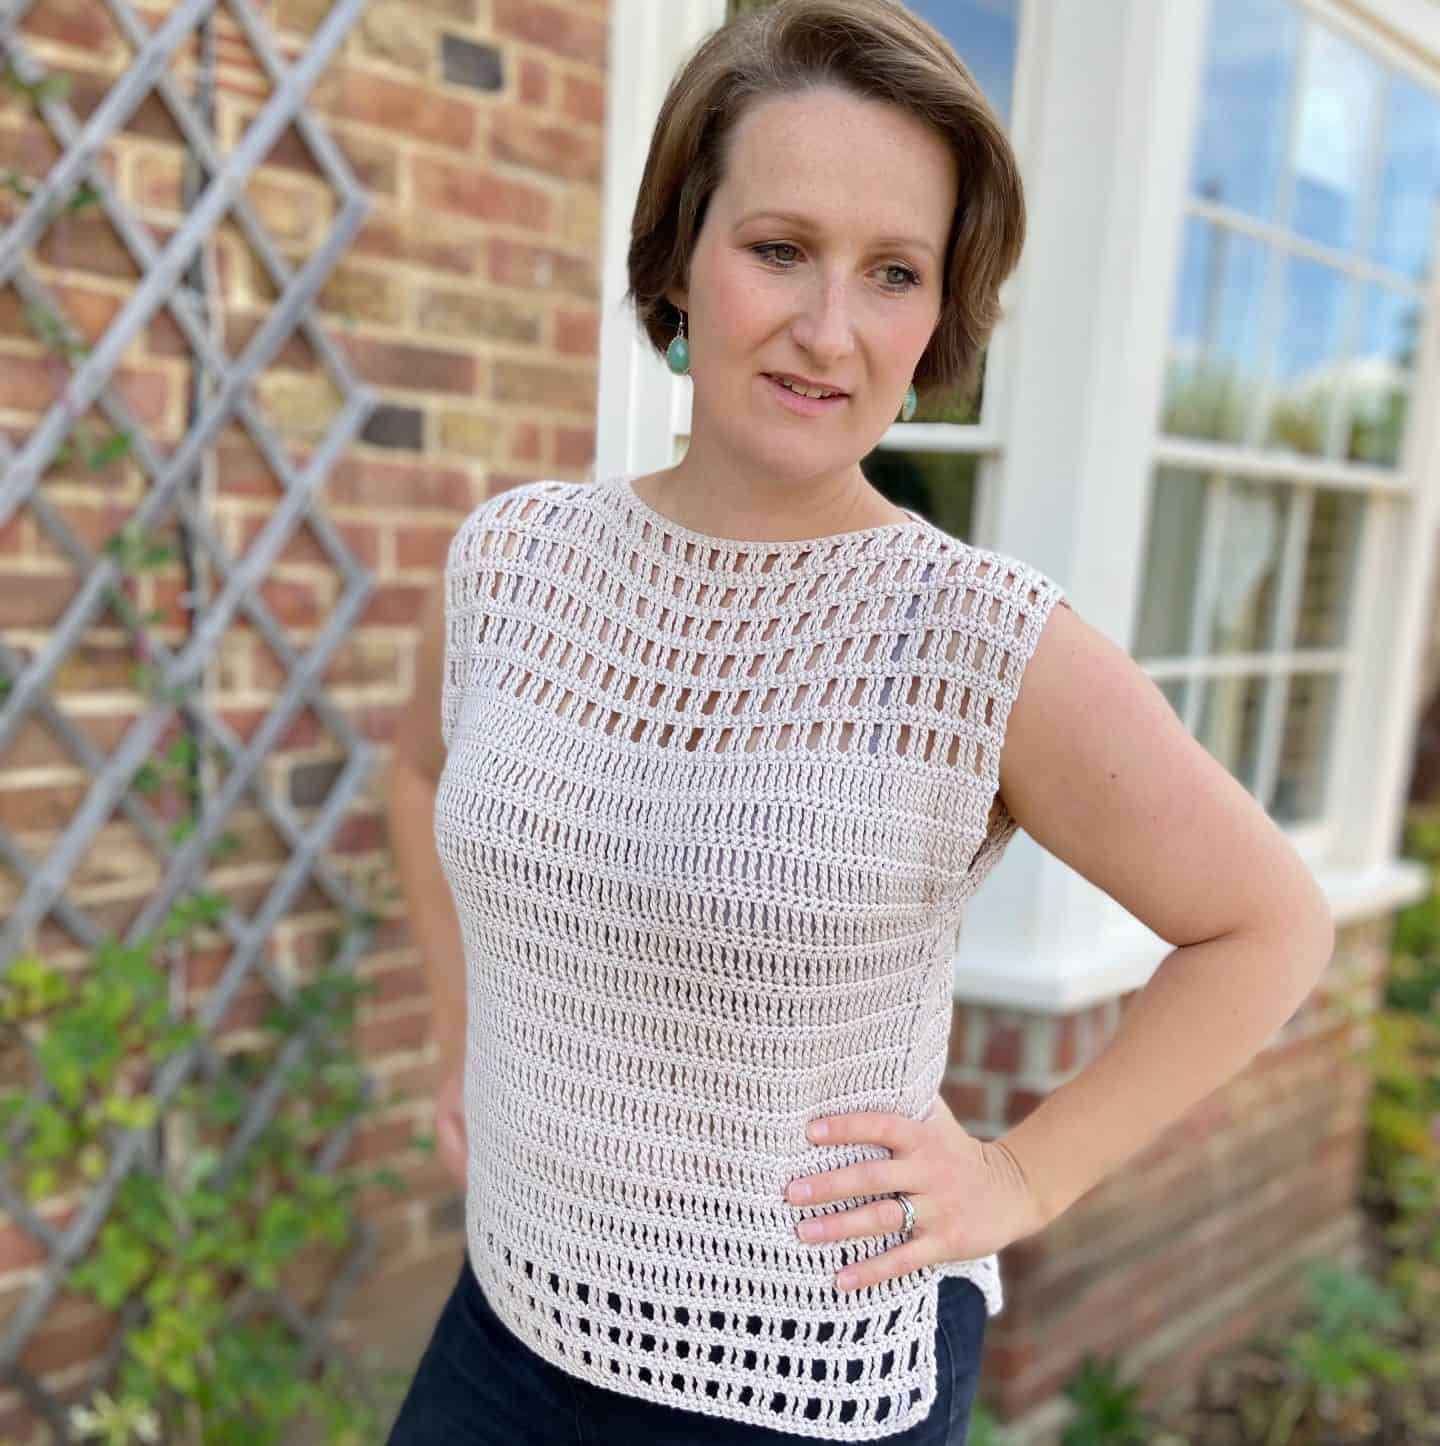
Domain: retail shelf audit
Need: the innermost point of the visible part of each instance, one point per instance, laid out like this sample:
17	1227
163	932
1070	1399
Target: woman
714	759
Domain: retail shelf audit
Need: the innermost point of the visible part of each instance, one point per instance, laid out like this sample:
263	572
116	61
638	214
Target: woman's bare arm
1098	769
418	759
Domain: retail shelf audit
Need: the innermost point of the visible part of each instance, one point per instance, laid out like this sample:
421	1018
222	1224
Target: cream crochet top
711	814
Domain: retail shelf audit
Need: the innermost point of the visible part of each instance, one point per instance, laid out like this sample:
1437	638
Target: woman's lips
803	406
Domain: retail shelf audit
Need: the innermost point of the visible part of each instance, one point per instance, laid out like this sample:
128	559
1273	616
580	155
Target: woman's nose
825	328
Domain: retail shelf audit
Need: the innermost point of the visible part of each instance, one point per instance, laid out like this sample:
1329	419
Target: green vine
182	1239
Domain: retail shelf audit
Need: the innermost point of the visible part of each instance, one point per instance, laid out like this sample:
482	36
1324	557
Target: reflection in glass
1377	382
1247	579
983	34
1174	690
1409	180
1213	365
1307	368
1305	748
1331	551
1337	116
940	486
1249	74
1172	561
1229	726
953	406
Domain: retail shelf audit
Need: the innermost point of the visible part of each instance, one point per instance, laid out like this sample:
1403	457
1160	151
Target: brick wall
1197	1241
469	302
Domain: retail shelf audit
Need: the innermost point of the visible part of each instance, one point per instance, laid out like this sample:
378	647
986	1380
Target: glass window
1245	104
1255	573
1307	241
1404	235
1339	103
1306	368
1214	359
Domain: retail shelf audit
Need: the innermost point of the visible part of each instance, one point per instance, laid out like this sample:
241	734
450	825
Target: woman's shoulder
1002	578
507	510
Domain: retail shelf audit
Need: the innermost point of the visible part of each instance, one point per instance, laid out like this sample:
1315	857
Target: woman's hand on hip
969	1196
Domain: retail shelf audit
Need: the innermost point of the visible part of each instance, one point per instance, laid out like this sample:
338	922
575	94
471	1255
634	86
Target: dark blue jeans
479	1385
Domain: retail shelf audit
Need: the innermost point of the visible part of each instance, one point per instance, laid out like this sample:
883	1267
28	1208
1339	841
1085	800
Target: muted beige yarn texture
711	814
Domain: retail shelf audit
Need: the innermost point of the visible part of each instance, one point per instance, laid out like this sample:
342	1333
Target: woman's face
819	257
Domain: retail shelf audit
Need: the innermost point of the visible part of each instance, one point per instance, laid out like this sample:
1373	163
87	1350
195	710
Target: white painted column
637	395
1106	100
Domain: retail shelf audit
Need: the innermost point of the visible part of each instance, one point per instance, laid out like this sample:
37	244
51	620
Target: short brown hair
874	49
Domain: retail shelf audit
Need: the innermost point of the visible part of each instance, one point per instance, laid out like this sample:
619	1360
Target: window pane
1172	561
1409	181
1305	748
983	34
1338	108
1230	724
1378	382
938	485
1306	368
1249	74
1174	690
953	406
1248	568
1331	551
1214	362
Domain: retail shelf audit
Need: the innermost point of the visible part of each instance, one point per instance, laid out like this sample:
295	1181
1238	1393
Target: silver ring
908	1228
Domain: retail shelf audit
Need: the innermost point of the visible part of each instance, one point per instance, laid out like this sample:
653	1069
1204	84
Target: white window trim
1102	125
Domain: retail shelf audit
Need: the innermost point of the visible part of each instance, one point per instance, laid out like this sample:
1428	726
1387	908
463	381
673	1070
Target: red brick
564	389
577	333
145	390
1002	1047
400	107
533	83
406	1031
56	1346
408	238
526	441
553	27
554	150
30	384
476	192
369	482
583	100
574	446
422	546
404	981
35	600
360	833
417	368
394	602
515	263
80	24
296	604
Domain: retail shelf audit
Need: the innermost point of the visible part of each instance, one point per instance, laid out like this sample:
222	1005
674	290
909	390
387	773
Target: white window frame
1102	124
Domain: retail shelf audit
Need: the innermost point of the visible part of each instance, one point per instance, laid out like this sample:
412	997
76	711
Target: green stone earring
907	407
677	357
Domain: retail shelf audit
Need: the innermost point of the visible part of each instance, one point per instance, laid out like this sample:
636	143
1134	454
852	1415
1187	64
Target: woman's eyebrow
795	219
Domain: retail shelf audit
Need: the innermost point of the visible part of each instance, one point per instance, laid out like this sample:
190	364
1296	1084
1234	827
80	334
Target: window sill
1123	958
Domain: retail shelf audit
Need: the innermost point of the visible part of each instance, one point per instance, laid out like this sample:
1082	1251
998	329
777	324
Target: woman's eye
770	247
900	278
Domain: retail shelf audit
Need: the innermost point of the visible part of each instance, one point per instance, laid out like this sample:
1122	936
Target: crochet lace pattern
711	813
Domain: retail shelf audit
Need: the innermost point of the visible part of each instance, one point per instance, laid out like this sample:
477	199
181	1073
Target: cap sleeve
1006	605
465	570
